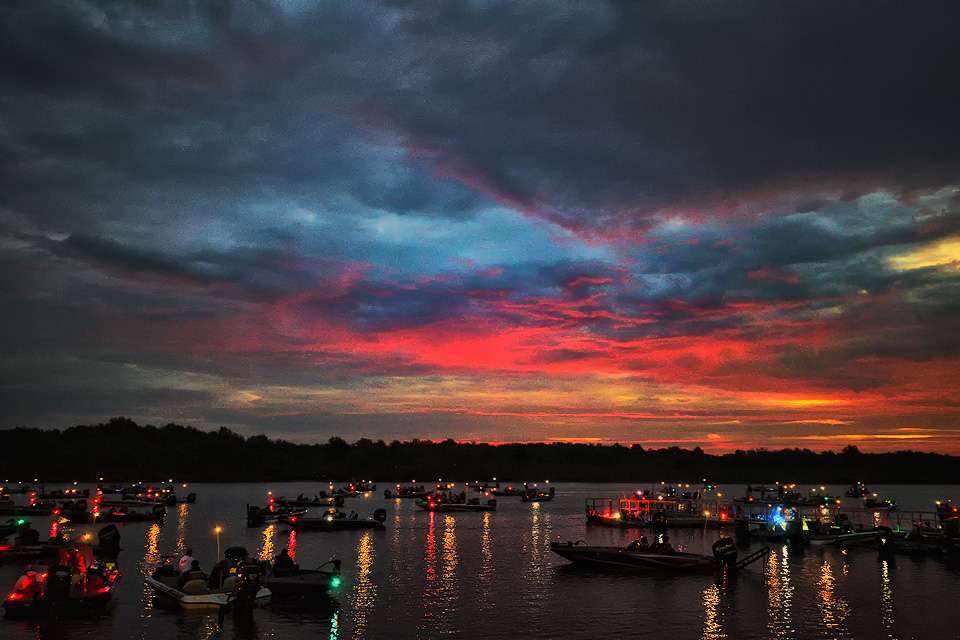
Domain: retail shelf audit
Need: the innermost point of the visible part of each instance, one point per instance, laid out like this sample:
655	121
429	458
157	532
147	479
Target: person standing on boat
186	560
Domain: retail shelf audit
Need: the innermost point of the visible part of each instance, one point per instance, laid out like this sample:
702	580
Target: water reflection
267	545
183	510
364	589
779	594
886	598
450	559
203	626
440	588
536	562
712	623
335	626
833	609
485	576
292	544
151	560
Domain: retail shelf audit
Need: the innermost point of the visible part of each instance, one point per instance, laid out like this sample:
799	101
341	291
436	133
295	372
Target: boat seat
230	584
196	587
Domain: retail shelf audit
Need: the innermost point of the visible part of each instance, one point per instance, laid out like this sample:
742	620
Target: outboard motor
741	531
492	502
159	512
795	532
254	516
170	500
951	528
338	500
109	539
387	494
659	520
886	545
249	575
57	589
191	498
380	515
725	550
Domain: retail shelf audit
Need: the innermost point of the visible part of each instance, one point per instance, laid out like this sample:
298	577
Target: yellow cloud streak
942	253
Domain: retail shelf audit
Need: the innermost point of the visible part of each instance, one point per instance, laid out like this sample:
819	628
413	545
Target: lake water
492	575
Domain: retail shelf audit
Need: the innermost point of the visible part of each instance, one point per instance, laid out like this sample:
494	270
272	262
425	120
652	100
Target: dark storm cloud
593	115
624	108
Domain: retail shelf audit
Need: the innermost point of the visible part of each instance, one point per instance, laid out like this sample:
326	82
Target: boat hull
441	507
213	600
82	605
846	539
339	524
641	561
312	585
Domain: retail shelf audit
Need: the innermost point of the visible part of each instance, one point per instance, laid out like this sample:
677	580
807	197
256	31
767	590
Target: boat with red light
451	502
67	587
334	520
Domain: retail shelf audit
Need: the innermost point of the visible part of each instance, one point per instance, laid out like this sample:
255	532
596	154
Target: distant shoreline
121	450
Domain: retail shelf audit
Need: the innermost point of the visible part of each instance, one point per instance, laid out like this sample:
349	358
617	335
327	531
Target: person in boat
166	570
58	582
220	572
663	545
29	584
194	573
283	564
640	544
186	560
354	515
27	535
57	537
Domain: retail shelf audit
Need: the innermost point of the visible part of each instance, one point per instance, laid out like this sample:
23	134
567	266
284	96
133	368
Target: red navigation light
293	519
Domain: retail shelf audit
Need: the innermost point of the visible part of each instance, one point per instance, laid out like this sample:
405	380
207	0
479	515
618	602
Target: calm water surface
491	575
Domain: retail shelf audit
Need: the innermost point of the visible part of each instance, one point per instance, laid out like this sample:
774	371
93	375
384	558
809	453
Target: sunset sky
728	224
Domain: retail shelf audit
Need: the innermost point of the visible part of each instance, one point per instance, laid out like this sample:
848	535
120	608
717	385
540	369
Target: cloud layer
726	223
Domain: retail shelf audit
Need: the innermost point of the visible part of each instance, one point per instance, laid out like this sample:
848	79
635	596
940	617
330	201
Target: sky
717	224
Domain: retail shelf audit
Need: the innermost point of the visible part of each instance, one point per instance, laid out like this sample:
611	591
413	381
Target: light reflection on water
780	593
151	560
268	546
183	512
712	625
364	594
485	575
886	598
833	609
292	544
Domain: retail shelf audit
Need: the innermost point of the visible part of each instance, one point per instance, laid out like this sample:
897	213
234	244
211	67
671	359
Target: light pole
217	529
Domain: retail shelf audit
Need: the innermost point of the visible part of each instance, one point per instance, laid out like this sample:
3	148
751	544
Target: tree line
121	450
